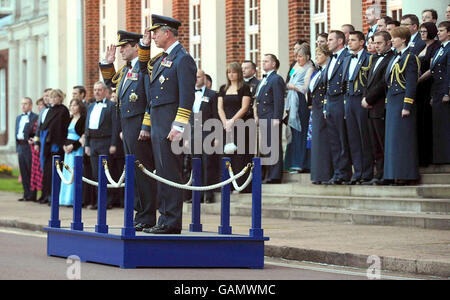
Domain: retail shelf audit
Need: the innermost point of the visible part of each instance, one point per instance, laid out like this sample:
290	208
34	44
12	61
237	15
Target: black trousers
377	128
24	153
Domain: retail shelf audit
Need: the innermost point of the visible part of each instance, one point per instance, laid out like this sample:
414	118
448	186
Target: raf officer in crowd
24	130
172	79
131	105
99	138
356	69
270	109
334	109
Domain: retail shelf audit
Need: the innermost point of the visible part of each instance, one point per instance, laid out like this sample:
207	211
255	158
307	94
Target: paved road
23	256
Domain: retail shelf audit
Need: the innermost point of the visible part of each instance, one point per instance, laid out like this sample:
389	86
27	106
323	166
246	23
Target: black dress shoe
21	199
317	182
334	182
370	182
273	181
142	226
162	229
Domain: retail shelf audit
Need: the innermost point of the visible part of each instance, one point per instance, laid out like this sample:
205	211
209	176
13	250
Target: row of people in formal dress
85	128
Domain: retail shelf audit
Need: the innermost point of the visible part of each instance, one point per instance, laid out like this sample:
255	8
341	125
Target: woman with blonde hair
233	104
52	135
297	158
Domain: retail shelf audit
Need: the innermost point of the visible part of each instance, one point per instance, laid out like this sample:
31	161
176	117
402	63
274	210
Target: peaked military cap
124	37
159	21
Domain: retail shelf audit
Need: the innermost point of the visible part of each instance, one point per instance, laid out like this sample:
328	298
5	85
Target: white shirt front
94	119
24	120
441	50
263	82
198	100
44	114
411	41
316	77
333	63
353	64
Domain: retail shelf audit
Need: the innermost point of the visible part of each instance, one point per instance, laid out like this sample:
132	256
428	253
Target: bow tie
334	56
199	90
99	101
442	46
319	68
398	54
265	76
354	56
380	55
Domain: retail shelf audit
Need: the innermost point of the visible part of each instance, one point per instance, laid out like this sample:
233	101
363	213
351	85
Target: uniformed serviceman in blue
440	92
131	104
356	69
172	77
270	108
401	153
334	109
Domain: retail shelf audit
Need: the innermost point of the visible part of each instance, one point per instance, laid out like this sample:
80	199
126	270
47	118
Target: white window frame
146	16
393	5
103	26
195	37
321	17
251	32
3	110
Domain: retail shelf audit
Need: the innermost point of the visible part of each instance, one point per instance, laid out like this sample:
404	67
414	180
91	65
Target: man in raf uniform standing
132	102
172	91
334	109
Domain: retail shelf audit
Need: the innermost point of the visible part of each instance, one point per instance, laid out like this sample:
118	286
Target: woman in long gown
72	147
296	158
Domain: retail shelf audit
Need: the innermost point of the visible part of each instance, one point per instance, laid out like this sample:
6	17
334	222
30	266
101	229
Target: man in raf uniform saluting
172	91
131	103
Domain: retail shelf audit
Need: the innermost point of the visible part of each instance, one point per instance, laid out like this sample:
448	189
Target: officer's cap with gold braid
159	21
124	37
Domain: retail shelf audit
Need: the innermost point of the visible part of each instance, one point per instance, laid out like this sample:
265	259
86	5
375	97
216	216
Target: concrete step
361	217
441	191
417	205
435	169
426	178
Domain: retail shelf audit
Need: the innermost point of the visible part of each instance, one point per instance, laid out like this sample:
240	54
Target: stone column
275	34
213	41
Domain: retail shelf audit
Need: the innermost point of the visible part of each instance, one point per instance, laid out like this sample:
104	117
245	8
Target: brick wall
91	44
299	23
133	13
235	30
180	12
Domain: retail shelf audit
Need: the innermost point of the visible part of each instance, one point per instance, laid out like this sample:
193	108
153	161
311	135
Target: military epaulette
152	62
183	115
108	71
147	121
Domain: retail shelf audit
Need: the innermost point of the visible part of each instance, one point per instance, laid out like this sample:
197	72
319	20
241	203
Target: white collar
268	73
445	44
413	36
171	47
359	53
339	52
248	79
202	88
134	61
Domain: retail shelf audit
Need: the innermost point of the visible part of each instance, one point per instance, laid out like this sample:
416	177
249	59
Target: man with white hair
373	14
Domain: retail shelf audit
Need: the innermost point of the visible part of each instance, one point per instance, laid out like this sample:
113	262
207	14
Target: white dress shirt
263	82
94	119
353	64
333	63
198	99
24	120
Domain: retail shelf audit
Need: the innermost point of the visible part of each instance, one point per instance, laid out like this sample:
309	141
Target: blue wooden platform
187	250
126	248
